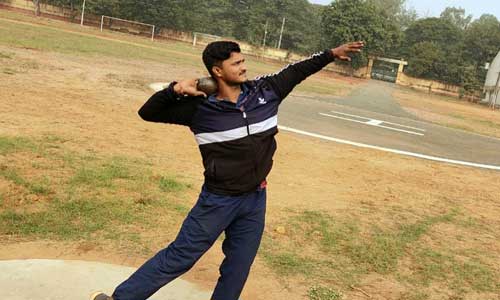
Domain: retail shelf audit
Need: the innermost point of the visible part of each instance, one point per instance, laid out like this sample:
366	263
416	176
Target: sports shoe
100	296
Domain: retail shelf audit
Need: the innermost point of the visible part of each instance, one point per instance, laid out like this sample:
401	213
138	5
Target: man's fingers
356	44
198	93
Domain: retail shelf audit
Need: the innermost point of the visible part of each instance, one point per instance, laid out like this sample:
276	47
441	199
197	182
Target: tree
295	35
471	80
397	12
436	30
351	20
73	5
456	16
424	60
482	40
433	48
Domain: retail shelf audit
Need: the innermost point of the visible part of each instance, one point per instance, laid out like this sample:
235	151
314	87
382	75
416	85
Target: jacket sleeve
285	80
166	106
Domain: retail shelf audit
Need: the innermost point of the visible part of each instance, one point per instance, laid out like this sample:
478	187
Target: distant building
492	83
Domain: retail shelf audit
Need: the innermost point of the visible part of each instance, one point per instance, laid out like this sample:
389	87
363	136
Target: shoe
100	296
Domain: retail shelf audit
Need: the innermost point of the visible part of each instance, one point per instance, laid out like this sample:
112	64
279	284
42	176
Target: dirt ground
450	112
92	103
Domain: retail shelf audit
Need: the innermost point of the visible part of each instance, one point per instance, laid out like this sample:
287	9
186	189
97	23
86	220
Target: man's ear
217	71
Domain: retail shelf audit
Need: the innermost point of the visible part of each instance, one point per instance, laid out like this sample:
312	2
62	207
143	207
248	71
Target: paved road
371	116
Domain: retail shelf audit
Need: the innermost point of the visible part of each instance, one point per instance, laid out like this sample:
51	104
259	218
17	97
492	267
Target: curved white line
440	159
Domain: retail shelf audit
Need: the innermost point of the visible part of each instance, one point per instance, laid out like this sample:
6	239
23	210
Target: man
235	129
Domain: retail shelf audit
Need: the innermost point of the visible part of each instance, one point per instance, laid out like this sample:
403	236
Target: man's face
233	70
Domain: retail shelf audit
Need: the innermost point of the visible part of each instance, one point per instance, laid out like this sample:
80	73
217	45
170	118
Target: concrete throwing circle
44	279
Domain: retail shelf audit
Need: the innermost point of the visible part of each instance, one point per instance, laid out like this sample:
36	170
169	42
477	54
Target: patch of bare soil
92	104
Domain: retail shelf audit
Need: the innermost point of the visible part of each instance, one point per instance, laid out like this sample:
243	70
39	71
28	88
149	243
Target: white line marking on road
361	117
434	158
373	124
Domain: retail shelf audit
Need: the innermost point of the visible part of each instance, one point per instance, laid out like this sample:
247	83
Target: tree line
451	48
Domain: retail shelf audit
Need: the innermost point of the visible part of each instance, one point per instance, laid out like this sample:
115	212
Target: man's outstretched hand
342	52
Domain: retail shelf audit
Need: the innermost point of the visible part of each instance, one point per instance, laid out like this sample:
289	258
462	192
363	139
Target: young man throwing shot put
234	129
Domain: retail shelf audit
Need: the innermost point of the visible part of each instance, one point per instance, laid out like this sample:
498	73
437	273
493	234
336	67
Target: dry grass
450	112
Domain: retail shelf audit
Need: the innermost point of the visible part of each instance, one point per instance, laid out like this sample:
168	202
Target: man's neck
228	92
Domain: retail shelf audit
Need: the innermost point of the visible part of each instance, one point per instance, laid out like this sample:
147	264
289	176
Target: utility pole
83	13
265	35
281	33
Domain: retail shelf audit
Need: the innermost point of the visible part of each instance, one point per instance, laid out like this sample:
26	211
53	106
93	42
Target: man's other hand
188	87
342	52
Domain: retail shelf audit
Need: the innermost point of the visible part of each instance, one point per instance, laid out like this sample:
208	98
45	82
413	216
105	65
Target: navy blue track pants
242	220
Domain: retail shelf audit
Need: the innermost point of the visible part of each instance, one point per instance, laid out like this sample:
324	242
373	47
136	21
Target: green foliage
287	264
456	16
381	253
433	47
347	20
323	293
471	80
436	30
434	265
101	175
66	219
243	20
482	41
424	57
452	50
35	186
12	144
168	184
72	4
396	12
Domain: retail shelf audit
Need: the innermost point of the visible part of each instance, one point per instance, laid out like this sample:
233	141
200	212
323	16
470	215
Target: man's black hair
216	52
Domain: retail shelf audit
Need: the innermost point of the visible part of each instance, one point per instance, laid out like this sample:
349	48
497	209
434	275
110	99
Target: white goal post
131	29
204	38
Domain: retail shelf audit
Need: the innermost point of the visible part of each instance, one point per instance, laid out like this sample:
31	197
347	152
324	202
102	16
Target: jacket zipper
246	122
253	144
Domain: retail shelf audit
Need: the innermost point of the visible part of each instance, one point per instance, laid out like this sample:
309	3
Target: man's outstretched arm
285	80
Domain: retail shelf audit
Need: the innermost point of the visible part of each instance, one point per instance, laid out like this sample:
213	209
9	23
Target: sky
433	8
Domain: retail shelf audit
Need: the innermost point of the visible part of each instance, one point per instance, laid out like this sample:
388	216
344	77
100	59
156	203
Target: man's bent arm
167	106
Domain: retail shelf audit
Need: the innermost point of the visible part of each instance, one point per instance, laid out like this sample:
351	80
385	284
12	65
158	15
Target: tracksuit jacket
236	141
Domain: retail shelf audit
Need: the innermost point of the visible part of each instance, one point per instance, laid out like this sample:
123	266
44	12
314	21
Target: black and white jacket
236	142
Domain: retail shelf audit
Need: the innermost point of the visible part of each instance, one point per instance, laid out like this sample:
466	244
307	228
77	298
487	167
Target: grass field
81	177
